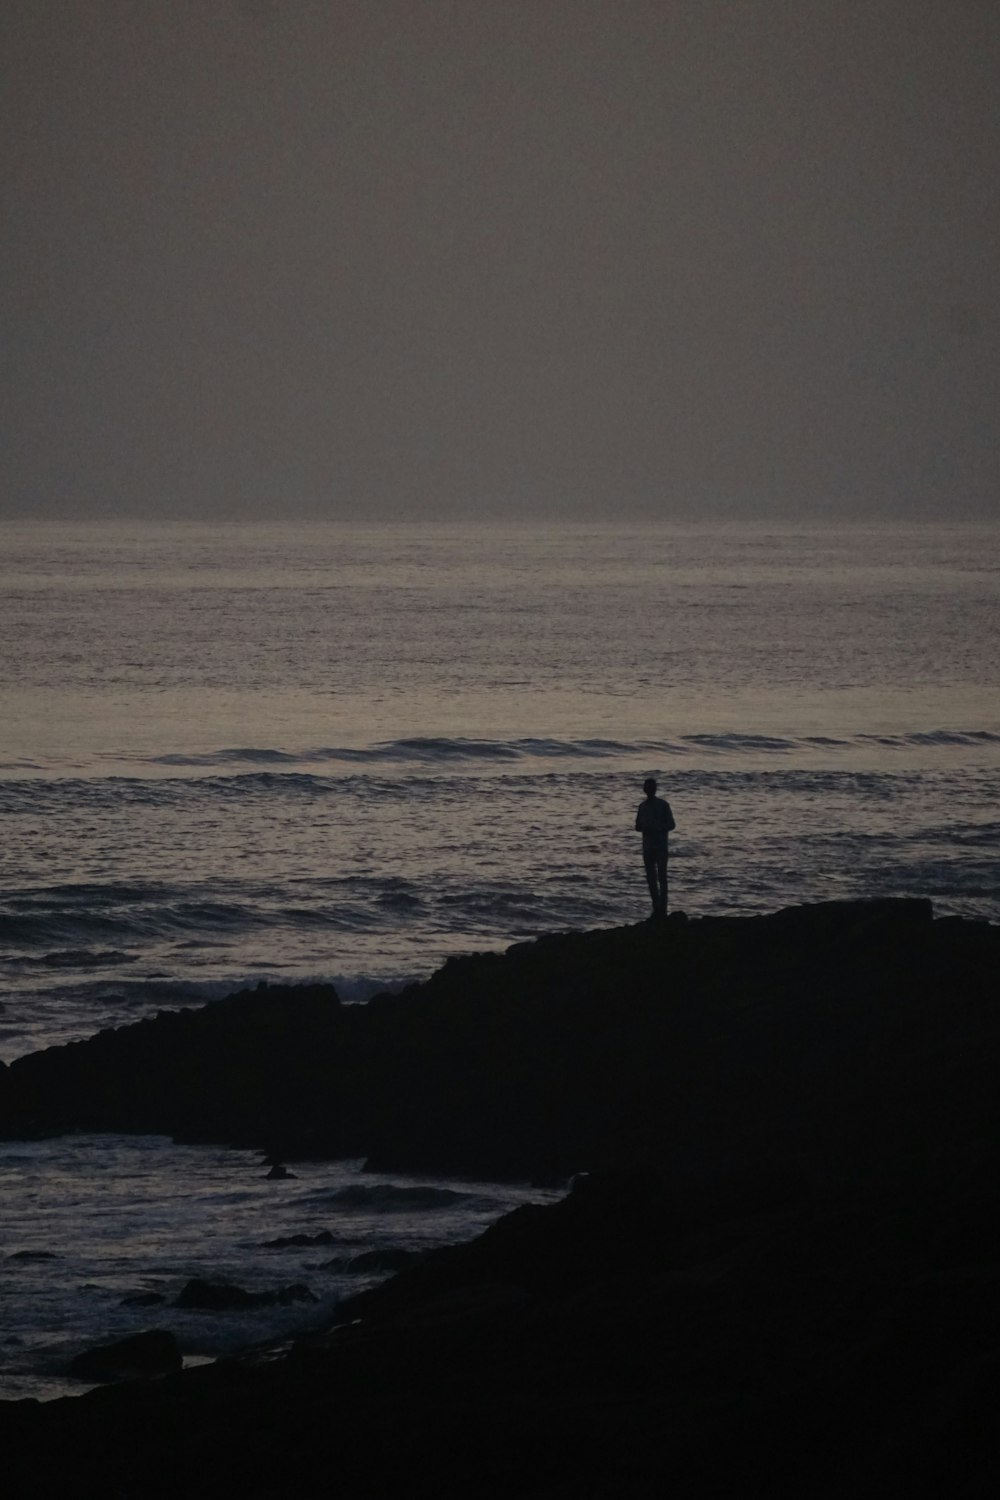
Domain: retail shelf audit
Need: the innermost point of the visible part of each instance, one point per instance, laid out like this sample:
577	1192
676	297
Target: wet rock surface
155	1352
368	1261
223	1296
778	1269
295	1241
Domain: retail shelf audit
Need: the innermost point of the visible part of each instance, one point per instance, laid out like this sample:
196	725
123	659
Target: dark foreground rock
613	1344
143	1355
782	1274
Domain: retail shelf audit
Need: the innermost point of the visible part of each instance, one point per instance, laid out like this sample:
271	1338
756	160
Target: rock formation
778	1270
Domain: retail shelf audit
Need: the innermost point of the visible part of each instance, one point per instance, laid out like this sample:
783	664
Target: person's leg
661	876
649	860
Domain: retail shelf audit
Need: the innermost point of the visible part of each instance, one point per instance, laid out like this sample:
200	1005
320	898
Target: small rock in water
297	1292
213	1296
374	1261
220	1296
155	1352
278	1172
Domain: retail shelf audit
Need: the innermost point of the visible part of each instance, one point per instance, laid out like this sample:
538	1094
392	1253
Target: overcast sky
464	257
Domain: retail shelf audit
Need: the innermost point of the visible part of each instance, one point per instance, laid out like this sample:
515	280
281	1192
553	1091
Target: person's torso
654	819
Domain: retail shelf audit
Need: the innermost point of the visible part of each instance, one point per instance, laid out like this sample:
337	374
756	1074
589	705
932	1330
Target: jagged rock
217	1296
371	1261
155	1352
297	1292
213	1296
278	1173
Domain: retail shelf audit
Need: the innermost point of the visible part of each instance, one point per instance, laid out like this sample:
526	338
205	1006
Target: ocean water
234	752
102	1233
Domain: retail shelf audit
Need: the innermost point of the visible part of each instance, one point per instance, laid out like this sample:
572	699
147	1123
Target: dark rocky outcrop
820	1042
778	1271
251	1067
614	1343
155	1352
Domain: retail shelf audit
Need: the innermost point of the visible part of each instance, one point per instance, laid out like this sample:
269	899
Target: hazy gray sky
458	257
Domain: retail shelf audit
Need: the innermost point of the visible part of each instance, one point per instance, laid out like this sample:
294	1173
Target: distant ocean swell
445	751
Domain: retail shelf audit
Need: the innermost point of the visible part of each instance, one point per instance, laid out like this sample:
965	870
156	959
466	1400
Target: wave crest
446	750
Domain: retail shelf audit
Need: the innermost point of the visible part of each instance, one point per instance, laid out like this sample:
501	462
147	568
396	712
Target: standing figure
654	821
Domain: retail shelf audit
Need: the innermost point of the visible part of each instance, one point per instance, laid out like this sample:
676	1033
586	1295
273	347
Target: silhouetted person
654	820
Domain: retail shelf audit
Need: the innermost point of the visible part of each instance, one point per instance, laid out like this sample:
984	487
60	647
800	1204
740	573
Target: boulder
374	1261
214	1296
220	1296
155	1352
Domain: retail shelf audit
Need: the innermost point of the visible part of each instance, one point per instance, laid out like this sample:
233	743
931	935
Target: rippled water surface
102	1233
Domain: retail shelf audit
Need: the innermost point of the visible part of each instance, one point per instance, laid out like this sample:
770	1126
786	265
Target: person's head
649	787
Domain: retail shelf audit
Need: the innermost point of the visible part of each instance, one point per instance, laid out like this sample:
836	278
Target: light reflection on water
131	641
